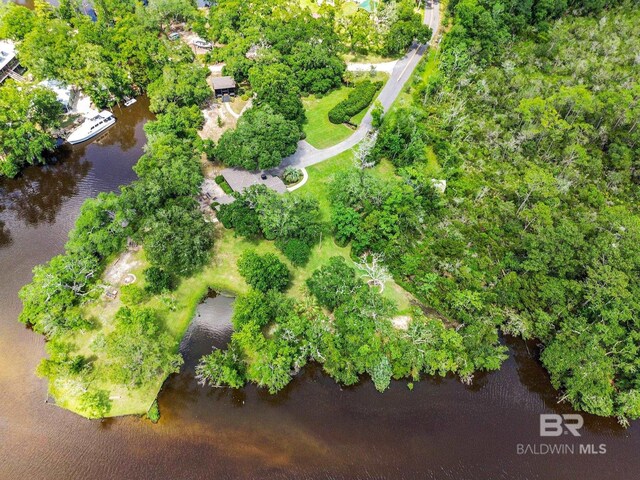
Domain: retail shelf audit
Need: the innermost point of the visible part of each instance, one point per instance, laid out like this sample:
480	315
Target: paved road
307	155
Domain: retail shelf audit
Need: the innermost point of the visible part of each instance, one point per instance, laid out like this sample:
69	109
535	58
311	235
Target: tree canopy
260	141
537	231
181	84
28	116
138	351
263	272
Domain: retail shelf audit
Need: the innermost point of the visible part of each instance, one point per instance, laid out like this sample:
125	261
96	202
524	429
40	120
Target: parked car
203	44
173	36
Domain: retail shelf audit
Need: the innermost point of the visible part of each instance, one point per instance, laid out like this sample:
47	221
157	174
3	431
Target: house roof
7	52
221	83
239	179
62	91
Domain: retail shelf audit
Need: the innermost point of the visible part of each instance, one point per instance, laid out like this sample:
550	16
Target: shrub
95	403
334	283
263	272
296	251
132	294
208	148
358	99
377	114
292	175
226	188
154	412
157	280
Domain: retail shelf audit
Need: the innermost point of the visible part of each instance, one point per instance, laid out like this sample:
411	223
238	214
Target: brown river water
314	429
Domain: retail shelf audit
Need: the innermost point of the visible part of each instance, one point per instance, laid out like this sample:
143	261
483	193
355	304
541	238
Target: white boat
129	101
91	127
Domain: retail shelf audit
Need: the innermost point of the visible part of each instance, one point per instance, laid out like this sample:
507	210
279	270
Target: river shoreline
312	429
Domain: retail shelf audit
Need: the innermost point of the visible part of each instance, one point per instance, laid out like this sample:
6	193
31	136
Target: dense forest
535	127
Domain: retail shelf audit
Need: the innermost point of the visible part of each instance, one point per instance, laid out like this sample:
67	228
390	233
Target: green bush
95	403
154	412
208	147
264	272
157	280
358	99
292	175
132	295
226	188
296	251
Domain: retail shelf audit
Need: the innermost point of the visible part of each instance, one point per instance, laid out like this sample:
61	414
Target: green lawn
319	131
369	58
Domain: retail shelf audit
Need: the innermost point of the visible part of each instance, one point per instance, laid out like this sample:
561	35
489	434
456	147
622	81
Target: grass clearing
319	131
368	58
320	177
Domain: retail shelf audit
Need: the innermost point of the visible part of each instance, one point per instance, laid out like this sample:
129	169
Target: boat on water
129	101
91	127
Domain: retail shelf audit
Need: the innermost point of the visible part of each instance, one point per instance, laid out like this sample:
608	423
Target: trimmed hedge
226	188
358	99
224	185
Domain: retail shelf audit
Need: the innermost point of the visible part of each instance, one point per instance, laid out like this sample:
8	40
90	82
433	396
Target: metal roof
221	83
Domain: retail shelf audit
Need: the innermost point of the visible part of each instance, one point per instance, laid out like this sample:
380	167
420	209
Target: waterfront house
8	61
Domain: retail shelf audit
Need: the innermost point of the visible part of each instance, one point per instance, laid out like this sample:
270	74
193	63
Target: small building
8	61
224	86
239	179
